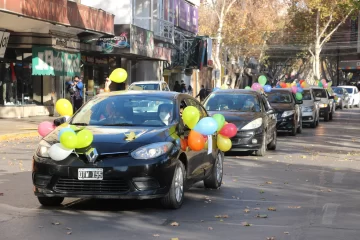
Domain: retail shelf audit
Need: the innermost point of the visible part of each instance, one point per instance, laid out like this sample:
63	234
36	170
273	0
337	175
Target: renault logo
92	155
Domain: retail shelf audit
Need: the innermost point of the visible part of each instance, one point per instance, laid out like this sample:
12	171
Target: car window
338	90
279	97
349	90
320	93
265	103
147	86
192	102
306	95
232	102
165	87
136	110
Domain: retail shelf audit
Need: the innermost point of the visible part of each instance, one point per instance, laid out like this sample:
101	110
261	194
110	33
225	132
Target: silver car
310	108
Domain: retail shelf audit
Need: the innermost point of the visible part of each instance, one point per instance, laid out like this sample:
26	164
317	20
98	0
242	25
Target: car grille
65	185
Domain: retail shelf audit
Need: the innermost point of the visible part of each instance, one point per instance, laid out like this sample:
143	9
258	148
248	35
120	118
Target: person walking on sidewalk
75	88
202	93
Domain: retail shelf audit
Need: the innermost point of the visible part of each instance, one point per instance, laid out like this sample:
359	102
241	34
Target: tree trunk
217	50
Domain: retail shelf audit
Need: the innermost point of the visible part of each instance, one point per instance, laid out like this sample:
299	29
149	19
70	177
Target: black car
288	110
149	164
251	113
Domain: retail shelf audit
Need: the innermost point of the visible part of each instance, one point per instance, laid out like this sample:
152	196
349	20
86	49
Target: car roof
317	88
348	86
237	91
146	82
166	94
281	90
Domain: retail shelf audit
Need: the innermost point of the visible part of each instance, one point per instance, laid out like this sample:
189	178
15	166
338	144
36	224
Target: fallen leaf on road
294	207
286	183
210	228
221	220
257	209
1	194
261	216
246	210
303	156
270	238
286	232
68	228
246	224
156	235
271	209
174	238
329	190
69	233
201	220
174	224
55	223
222	216
262	191
263	199
268	182
41	226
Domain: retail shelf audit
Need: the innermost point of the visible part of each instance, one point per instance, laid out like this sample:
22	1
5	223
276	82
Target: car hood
308	103
240	119
281	107
114	139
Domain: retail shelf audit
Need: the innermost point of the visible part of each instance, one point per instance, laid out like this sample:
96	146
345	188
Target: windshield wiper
80	124
119	124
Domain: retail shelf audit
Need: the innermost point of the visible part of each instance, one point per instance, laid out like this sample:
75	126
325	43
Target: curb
15	136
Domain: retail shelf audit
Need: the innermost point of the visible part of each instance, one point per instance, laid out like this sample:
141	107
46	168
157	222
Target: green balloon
85	138
299	96
220	119
262	80
247	87
69	140
320	84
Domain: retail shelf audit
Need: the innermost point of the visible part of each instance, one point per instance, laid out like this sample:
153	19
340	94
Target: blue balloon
298	85
300	90
278	86
206	126
66	129
267	88
215	89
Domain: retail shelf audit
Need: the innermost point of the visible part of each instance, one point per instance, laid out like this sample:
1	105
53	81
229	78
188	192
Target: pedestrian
183	88
177	87
75	88
190	90
202	93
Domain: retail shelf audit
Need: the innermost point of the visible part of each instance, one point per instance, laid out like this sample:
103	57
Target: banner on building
51	62
186	16
4	37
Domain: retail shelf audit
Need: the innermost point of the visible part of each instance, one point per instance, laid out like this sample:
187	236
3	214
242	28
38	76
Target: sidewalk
11	129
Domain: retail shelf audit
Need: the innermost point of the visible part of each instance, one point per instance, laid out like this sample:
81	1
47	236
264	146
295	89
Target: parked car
326	104
288	110
151	164
342	97
310	108
251	113
354	95
149	85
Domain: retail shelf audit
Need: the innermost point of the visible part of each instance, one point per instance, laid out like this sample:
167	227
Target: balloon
191	116
301	81
323	81
58	152
206	126
262	80
300	90
215	89
224	86
220	119
229	130
329	84
69	139
65	129
64	107
294	89
196	141
223	143
256	86
278	86
45	128
84	138
325	85
267	88
247	87
304	85
299	96
119	75
283	85
288	85
320	84
106	90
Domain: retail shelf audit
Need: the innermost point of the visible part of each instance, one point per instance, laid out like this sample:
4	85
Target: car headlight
151	151
323	105
287	113
253	124
43	149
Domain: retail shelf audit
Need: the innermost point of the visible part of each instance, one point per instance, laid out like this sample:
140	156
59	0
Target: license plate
90	174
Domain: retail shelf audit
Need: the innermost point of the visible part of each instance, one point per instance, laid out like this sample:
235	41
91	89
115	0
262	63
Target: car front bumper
286	123
250	140
124	178
308	117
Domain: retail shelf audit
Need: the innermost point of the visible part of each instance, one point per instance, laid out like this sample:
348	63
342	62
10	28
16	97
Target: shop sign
118	44
102	61
48	61
4	39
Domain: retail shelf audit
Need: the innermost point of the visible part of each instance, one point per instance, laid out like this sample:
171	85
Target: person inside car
166	113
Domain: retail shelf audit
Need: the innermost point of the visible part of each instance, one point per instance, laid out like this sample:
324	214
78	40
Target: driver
249	104
112	114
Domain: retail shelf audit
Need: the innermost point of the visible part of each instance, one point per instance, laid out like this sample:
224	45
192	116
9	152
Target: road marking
329	210
338	177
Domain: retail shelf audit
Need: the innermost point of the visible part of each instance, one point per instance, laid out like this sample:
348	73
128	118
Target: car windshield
126	110
349	90
149	86
320	93
306	95
232	102
338	90
279	97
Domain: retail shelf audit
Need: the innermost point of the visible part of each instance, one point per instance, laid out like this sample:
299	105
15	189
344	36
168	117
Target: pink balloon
323	81
45	128
294	89
256	86
325	85
229	130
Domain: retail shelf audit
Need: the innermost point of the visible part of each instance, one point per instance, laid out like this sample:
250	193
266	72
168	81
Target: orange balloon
196	141
106	90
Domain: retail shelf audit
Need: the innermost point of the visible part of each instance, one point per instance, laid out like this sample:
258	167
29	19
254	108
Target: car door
346	96
356	95
270	119
297	108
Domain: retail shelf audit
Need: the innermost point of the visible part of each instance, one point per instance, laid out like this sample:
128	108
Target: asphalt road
307	189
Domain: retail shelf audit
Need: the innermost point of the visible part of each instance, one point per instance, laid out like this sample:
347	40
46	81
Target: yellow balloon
68	140
119	75
64	107
191	116
288	85
223	143
84	138
224	86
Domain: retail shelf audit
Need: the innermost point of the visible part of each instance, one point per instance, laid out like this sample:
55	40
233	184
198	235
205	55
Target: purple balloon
256	86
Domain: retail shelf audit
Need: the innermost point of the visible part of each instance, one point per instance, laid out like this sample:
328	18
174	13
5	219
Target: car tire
318	121
348	105
299	129
313	124
327	116
50	201
262	151
215	179
342	105
293	131
352	104
272	144
175	197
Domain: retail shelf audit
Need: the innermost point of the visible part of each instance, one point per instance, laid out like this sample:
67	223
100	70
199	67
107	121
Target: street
307	189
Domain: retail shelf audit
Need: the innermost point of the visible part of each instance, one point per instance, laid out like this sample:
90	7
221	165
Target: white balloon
58	153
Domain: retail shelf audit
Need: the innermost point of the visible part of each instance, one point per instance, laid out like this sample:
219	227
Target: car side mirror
331	97
317	99
270	111
59	121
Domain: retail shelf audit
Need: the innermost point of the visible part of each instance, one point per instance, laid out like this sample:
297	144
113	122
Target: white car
310	108
149	86
354	95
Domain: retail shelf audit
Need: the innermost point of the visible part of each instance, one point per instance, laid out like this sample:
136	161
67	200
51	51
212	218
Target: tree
315	21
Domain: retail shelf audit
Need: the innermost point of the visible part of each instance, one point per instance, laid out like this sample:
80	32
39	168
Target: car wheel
342	105
352	104
327	116
347	105
293	131
272	144
318	121
313	124
299	130
50	201
215	179
262	151
175	197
